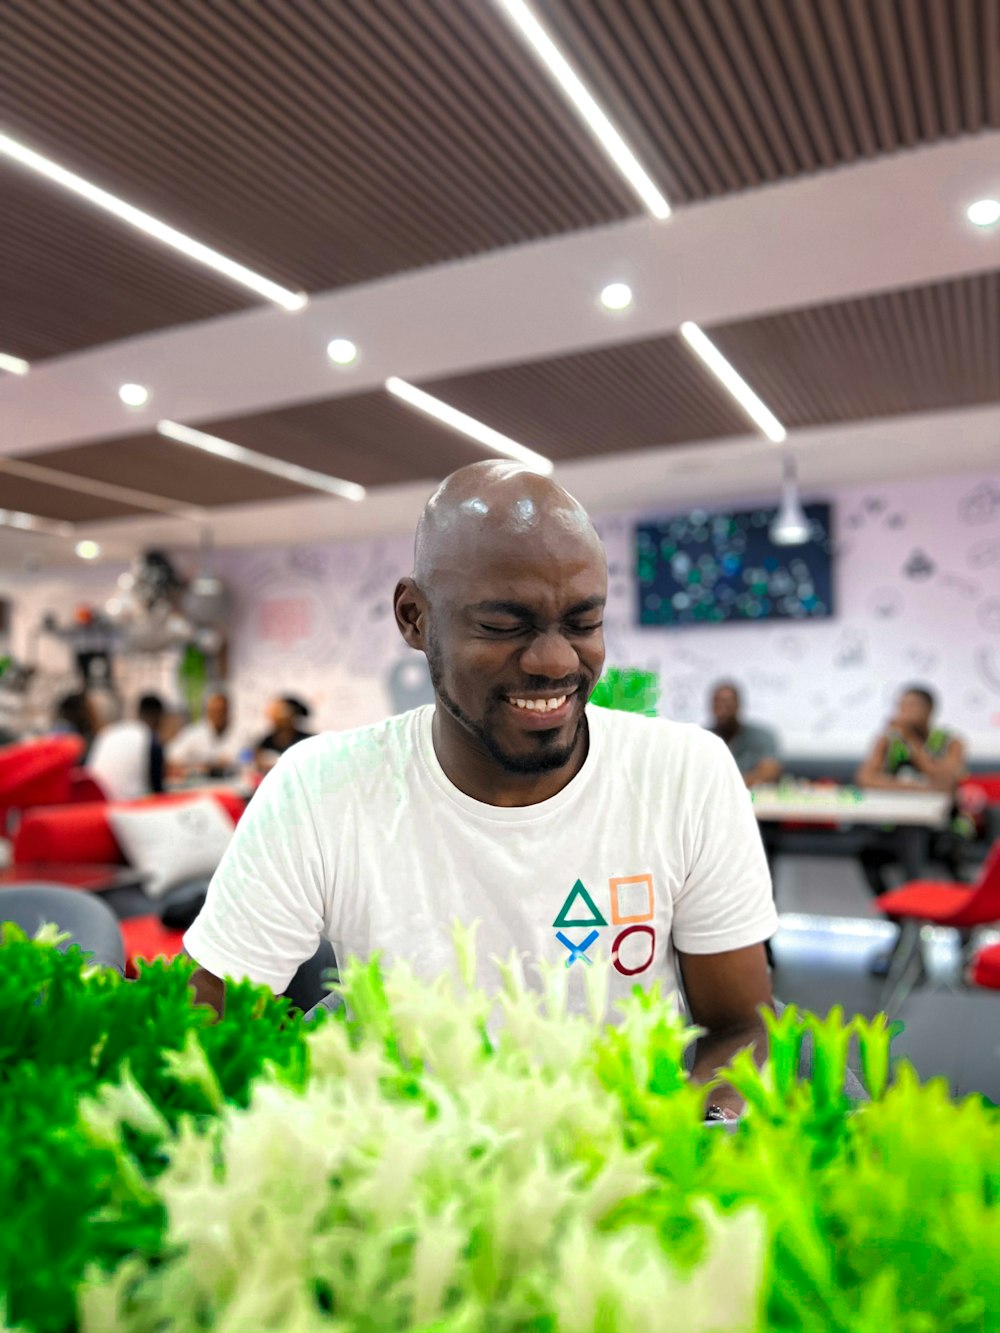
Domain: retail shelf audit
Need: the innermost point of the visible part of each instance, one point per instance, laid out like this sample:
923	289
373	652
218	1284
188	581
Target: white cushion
173	843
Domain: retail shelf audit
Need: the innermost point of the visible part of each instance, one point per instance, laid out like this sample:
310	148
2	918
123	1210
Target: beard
548	755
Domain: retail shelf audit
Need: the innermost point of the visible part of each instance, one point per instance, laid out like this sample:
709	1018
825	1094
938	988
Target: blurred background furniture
938	903
89	922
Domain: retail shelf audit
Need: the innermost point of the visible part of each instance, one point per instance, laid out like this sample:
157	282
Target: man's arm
765	770
265	910
208	989
724	994
942	772
871	772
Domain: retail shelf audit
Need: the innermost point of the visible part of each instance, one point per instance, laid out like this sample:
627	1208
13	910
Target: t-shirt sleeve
266	906
726	901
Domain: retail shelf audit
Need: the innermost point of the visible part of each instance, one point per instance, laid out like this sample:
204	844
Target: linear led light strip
303	476
104	490
145	222
587	107
14	518
730	377
466	425
13	364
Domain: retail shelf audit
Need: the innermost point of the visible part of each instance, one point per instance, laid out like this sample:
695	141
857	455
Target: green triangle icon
578	892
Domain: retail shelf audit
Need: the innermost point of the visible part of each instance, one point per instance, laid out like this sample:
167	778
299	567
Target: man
571	835
285	714
754	748
207	747
910	753
126	758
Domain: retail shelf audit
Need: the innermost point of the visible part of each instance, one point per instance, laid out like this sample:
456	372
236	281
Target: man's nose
551	656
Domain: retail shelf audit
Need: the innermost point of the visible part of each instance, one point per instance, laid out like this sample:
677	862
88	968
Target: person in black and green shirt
913	753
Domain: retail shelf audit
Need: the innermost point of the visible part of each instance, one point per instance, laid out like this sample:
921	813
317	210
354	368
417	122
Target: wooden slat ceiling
35	497
326	142
921	349
174	471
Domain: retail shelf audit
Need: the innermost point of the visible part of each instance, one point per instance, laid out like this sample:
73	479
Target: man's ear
409	606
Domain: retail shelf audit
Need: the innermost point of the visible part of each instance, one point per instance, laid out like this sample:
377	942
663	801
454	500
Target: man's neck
472	769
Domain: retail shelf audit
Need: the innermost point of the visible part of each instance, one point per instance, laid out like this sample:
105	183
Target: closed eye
586	629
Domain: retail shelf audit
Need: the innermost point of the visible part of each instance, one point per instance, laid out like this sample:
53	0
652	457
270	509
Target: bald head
496	510
507	601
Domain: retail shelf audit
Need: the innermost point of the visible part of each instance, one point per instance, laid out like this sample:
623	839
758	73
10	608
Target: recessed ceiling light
146	223
134	395
617	296
302	476
466	425
984	212
87	550
13	364
733	381
341	351
587	107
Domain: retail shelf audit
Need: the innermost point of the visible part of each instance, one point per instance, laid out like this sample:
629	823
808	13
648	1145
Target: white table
849	805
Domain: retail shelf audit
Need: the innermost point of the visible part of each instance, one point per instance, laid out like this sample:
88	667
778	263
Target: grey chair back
90	923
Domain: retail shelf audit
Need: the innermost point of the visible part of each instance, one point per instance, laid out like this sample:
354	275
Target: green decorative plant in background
628	690
435	1160
193	673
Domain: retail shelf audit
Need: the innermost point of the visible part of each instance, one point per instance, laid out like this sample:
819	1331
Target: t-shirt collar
503	814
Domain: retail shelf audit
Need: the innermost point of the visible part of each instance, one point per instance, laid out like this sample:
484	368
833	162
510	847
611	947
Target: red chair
36	772
935	903
985	970
148	937
82	833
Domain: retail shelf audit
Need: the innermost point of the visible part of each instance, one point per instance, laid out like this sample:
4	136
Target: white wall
827	685
315	621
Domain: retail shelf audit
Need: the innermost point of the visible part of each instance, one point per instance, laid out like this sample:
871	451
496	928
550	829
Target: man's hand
208	988
724	992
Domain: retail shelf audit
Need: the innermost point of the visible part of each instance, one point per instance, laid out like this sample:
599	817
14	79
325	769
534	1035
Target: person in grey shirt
754	748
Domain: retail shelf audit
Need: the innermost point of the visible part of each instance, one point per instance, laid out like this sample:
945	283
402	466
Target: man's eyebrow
526	612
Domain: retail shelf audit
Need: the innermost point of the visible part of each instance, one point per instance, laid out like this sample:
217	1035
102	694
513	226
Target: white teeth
540	705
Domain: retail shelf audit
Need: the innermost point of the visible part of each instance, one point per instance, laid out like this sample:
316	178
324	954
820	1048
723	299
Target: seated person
911	753
75	716
284	714
754	748
205	748
126	758
570	834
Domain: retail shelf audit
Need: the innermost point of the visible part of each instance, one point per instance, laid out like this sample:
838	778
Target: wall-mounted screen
707	568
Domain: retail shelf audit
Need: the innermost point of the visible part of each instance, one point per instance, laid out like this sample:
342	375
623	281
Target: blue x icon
577	950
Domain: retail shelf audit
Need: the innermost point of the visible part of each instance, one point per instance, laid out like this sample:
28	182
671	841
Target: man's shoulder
758	733
380	746
658	736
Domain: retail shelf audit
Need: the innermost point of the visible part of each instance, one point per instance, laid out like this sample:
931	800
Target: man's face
725	706
913	712
280	714
515	646
217	712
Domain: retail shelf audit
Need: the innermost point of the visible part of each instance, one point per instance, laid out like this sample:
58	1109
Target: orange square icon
631	899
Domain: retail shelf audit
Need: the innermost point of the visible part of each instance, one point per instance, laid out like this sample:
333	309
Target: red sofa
37	772
81	833
75	833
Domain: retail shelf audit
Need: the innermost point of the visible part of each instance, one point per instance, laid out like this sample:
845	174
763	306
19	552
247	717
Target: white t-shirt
200	746
119	760
360	836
